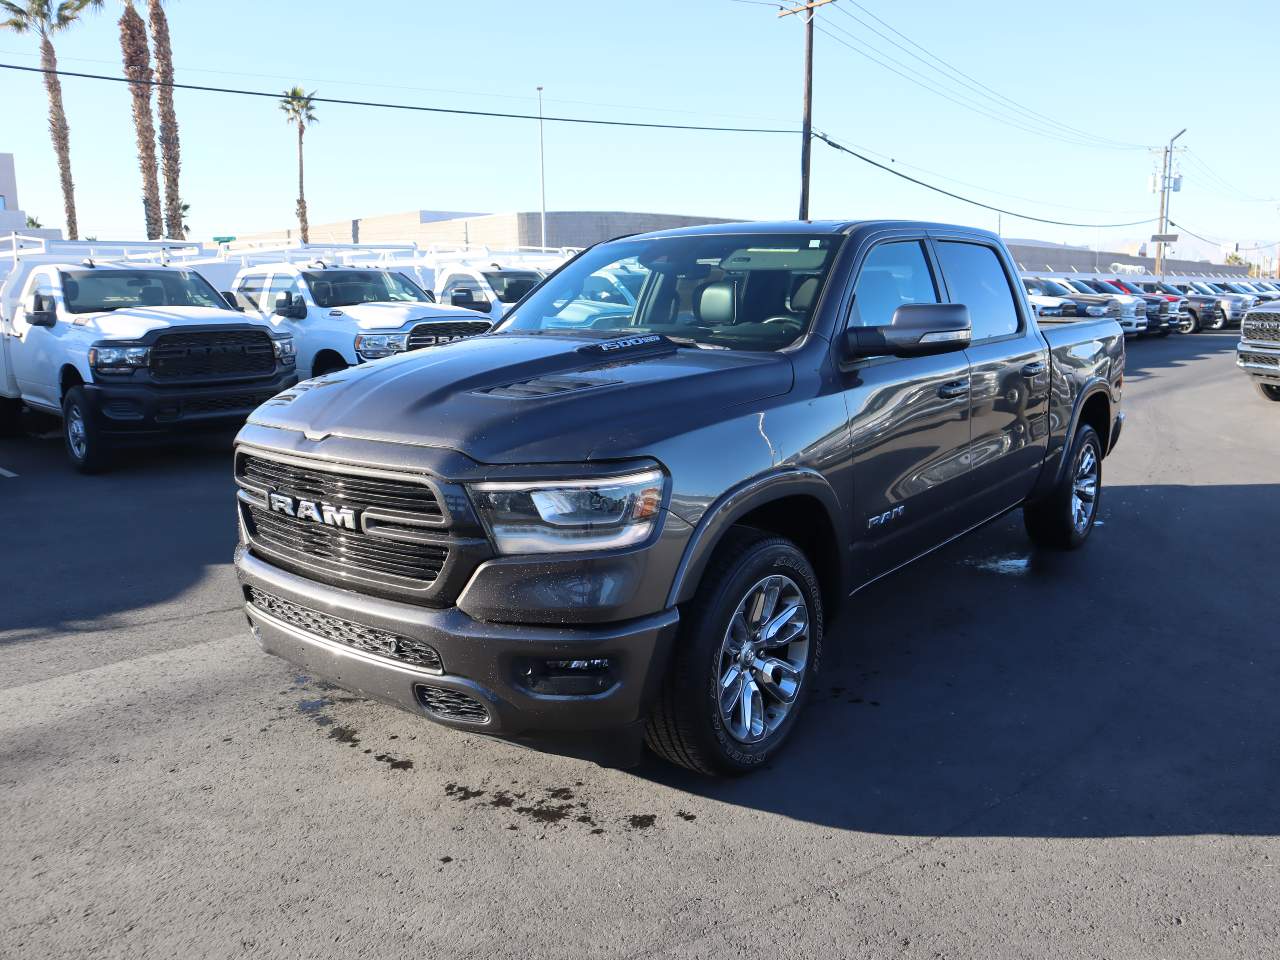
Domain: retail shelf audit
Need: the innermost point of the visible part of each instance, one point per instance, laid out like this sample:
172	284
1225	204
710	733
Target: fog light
569	678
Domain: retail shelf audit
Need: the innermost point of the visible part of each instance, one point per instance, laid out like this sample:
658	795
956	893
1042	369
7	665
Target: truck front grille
429	334
336	630
212	354
1264	327
365	491
342	552
452	705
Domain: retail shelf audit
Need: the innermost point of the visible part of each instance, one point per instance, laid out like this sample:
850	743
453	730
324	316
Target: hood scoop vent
543	387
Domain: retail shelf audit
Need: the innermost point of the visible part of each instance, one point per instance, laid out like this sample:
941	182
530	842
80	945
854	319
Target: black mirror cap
462	298
232	301
43	312
917	330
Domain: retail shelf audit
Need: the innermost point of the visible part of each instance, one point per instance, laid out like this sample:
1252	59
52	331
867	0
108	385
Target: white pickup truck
123	351
341	315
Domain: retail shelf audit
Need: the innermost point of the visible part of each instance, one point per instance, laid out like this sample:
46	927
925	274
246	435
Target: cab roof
802	228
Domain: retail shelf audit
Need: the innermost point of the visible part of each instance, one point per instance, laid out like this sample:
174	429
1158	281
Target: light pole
542	169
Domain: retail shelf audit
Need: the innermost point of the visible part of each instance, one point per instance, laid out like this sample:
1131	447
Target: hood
393	316
1098	299
516	398
131	323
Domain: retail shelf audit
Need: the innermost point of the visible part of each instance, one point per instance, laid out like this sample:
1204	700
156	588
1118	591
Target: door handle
954	389
1034	369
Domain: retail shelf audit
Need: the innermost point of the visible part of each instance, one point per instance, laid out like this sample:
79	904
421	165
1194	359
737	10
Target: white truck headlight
284	350
118	360
566	516
371	346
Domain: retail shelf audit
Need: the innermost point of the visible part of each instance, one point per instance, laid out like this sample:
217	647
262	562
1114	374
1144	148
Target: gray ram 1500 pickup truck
623	521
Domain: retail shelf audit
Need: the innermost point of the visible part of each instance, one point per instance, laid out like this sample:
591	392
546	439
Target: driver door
909	420
34	351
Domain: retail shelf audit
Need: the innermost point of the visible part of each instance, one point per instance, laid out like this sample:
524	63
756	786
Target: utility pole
542	170
806	132
1166	177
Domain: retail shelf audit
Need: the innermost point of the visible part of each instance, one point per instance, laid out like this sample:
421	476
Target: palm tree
33	222
45	19
137	67
170	150
299	109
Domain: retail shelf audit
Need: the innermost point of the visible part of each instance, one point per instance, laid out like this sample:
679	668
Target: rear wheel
86	447
1065	518
1269	390
748	649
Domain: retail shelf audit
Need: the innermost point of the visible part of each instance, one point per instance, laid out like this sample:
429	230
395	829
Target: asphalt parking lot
1013	754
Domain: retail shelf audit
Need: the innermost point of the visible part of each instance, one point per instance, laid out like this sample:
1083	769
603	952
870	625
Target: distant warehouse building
565	228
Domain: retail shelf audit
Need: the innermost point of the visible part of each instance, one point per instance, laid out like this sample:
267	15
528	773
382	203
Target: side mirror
917	330
431	297
462	297
232	300
291	306
42	312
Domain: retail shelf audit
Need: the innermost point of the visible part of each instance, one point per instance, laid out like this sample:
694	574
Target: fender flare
737	503
1091	389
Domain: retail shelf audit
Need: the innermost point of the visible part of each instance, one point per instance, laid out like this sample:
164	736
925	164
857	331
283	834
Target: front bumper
1133	324
1259	360
144	407
490	666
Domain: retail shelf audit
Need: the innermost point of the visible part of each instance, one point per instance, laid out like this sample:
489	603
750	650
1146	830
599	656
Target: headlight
371	346
563	516
283	347
117	360
1095	310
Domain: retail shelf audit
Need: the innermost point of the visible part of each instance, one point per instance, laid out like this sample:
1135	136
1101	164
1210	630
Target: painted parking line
8	473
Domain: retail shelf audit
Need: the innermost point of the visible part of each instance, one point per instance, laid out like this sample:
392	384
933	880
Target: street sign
1164	238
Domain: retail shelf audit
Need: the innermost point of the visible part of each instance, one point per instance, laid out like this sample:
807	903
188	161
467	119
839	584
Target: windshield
342	288
93	291
1169	289
738	291
1103	287
1079	286
510	285
1054	289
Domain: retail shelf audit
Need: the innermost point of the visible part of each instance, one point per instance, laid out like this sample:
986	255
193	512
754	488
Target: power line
977	203
956	98
409	106
977	85
1215	178
1223	243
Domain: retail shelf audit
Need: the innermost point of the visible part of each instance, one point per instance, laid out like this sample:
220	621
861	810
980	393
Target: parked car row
1150	305
129	341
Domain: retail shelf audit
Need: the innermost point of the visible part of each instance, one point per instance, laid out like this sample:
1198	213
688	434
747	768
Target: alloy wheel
762	659
1084	489
76	434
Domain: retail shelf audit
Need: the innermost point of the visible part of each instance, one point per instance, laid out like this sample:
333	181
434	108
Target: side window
250	290
280	283
894	273
976	278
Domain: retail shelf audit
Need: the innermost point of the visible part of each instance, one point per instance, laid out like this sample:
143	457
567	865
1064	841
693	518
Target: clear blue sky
1106	68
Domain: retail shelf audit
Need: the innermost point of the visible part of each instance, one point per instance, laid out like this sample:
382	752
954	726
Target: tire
1064	519
86	447
1269	390
1192	325
329	365
10	417
688	725
1217	321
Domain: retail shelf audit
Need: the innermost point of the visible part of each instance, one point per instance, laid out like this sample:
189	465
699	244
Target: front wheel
86	447
744	662
1217	320
1191	324
1065	518
1269	390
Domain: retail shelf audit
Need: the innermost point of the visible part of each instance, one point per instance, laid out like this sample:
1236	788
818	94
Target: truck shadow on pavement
82	550
1126	689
